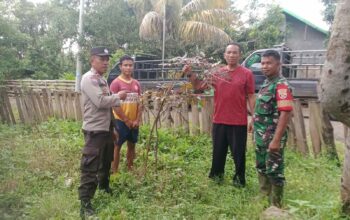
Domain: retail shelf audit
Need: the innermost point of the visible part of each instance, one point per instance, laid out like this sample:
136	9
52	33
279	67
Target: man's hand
128	123
135	124
250	127
187	69
274	146
122	95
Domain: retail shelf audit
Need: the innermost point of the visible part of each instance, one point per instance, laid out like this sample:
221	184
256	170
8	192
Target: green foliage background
36	40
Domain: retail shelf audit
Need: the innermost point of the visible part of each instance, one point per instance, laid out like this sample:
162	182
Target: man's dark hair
272	53
125	57
235	44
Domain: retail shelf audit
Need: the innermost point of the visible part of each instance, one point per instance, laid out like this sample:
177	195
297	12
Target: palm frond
198	5
217	17
151	26
192	6
202	33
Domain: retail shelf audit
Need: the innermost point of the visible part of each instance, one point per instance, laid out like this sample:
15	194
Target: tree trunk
335	84
345	180
335	81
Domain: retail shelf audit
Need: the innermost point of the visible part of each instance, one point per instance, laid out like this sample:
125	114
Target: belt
95	132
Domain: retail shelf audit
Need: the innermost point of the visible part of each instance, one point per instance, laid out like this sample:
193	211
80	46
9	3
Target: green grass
39	174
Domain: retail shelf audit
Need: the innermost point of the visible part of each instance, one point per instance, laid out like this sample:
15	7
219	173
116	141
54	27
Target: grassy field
39	169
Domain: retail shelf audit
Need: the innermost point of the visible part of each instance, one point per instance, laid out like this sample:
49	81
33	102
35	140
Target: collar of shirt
268	81
94	72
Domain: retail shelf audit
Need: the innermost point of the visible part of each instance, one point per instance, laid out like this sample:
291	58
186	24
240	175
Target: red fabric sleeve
114	86
284	98
250	89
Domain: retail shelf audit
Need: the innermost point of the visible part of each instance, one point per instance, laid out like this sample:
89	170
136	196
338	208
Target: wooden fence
61	85
193	114
30	106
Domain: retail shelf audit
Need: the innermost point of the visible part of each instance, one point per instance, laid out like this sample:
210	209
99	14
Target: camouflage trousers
271	164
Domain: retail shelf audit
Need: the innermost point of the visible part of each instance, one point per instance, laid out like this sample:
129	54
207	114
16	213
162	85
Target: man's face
232	55
127	67
100	63
270	66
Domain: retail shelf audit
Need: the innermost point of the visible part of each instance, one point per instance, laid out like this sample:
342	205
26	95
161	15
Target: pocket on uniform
265	105
89	160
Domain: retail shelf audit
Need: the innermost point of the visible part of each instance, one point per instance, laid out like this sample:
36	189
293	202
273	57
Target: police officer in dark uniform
97	153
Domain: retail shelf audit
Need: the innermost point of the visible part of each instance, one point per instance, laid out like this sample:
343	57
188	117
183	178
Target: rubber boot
104	186
276	196
264	184
86	209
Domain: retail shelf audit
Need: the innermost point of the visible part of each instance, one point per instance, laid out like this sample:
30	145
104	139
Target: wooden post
315	126
195	126
175	113
35	109
46	105
185	116
291	135
2	107
300	128
40	106
29	107
206	114
77	107
166	117
9	108
22	98
19	106
58	111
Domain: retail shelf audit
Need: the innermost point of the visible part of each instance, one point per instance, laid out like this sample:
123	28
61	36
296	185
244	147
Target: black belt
95	132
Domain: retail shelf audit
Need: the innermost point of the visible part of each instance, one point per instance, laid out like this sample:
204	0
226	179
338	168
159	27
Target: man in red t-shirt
234	87
128	115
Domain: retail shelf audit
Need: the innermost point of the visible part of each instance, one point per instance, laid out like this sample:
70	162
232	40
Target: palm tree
198	21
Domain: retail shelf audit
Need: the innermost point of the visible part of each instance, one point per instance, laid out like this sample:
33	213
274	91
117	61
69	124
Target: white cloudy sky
308	9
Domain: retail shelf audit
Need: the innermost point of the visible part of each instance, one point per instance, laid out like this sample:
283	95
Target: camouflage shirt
274	96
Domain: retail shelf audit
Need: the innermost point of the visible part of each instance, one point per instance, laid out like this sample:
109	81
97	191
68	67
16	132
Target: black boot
104	185
276	195
264	185
86	209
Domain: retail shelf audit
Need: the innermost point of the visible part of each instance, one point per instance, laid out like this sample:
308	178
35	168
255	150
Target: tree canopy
38	40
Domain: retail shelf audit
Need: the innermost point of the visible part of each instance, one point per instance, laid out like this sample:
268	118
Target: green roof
286	11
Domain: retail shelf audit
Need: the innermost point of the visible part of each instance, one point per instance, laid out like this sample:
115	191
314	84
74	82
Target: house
301	34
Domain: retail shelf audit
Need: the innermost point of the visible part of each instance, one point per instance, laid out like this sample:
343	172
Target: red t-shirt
230	97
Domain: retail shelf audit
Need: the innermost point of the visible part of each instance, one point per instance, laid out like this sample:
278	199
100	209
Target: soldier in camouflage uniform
272	112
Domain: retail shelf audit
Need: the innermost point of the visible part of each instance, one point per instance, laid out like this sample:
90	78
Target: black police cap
100	51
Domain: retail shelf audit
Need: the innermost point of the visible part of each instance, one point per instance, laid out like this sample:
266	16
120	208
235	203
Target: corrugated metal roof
286	11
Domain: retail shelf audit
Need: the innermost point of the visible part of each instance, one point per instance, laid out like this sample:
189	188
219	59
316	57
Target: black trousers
235	137
95	162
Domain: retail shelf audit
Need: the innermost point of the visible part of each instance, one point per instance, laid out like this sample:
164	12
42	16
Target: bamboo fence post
300	128
35	110
185	116
40	106
18	104
4	118
315	126
46	105
291	135
207	114
195	126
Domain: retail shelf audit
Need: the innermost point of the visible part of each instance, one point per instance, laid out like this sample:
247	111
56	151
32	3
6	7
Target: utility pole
79	67
163	47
